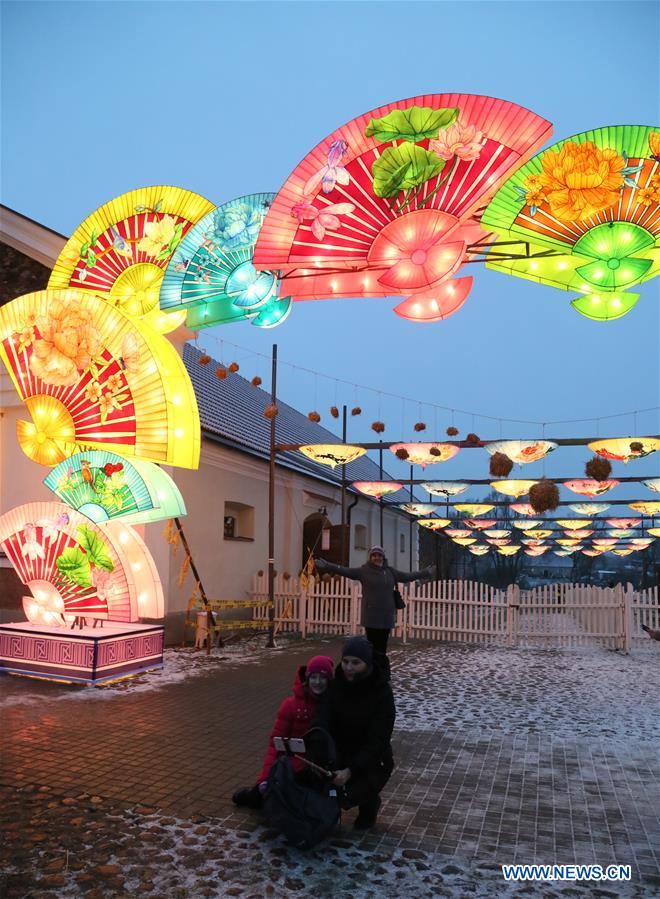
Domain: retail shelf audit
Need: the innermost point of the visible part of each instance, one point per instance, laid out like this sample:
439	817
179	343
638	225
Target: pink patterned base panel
87	656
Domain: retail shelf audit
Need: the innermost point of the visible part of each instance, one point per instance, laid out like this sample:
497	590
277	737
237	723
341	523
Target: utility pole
344	559
270	643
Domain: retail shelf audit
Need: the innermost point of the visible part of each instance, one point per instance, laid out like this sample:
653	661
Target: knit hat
359	647
320	665
377	549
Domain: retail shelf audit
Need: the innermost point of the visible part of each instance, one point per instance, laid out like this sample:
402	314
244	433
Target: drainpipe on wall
347	561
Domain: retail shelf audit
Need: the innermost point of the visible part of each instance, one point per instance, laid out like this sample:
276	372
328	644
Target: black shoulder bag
398	599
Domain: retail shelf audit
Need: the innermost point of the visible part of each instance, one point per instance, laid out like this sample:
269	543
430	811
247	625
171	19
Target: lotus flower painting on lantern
589	487
425	453
377	488
122	249
91	375
522	451
624	449
103	486
211	274
386	204
523	508
589	209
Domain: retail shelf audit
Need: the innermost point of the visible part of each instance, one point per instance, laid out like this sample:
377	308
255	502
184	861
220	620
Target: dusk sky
226	98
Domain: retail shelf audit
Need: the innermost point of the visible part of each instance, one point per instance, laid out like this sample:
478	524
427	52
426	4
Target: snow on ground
574	693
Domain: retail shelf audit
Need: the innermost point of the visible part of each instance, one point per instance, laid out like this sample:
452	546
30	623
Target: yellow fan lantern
473	509
574	524
122	249
92	376
651	509
332	454
515	488
433	524
508	550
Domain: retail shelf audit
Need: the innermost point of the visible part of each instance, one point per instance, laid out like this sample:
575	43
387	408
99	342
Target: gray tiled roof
231	412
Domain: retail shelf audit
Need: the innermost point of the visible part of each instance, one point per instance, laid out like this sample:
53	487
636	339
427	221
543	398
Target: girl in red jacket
294	719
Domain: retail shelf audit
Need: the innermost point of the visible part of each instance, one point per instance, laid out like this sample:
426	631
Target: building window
402	543
360	541
238	521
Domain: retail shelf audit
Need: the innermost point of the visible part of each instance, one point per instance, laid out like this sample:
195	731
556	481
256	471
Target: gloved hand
263	786
321	564
431	572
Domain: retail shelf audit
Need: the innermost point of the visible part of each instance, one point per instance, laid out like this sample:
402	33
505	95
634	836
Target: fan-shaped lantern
623	449
498	541
522	508
385	205
538	533
92	376
654	532
592	552
580	534
604	542
497	533
508	550
103	486
526	525
589	508
473	509
458	532
332	454
515	488
653	484
621	533
589	487
536	550
478	550
624	522
528	541
593	201
624	551
377	488
651	509
641	541
481	524
121	250
573	523
75	569
464	541
423	509
433	524
211	273
561	552
444	488
566	542
426	453
522	451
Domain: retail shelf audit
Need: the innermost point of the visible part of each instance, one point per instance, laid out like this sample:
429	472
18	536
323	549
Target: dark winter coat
378	582
359	716
294	719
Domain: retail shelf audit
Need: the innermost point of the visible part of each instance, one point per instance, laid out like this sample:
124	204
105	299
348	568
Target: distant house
227	497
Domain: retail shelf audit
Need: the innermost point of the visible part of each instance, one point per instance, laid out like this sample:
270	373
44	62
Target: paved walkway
502	756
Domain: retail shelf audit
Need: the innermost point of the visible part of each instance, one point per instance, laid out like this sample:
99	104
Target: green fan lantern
104	486
588	211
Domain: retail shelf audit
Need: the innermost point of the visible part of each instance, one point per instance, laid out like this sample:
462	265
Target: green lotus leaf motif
74	565
403	167
413	124
96	549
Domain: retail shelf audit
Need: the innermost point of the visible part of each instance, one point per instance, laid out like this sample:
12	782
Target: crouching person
294	719
358	713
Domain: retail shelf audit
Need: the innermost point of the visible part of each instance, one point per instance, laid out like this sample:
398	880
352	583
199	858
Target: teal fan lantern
588	211
212	275
105	487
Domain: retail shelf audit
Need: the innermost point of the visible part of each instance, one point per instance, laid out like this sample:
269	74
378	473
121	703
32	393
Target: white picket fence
556	615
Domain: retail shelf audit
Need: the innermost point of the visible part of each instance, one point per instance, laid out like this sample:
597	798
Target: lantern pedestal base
87	656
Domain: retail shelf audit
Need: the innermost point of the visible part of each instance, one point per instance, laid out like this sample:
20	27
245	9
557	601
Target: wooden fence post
355	607
302	612
513	606
627	615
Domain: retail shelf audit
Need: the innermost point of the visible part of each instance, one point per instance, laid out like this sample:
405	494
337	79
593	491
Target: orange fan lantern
387	203
92	376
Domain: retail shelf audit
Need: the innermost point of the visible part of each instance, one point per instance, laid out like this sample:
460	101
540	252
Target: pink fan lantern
588	487
624	522
592	552
498	533
377	488
536	551
498	541
426	453
523	508
480	524
579	533
458	532
388	204
605	542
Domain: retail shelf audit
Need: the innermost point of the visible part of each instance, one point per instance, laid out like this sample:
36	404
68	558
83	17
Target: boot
250	797
367	814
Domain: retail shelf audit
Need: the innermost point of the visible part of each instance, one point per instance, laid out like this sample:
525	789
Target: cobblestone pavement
502	756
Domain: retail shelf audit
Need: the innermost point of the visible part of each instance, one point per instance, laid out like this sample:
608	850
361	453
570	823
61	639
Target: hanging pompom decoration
356	410
204	359
378	427
544	496
270	411
233	367
420	426
314	416
402	453
286	576
256	381
452	432
473	439
598	469
500	465
434	451
334	411
636	447
221	373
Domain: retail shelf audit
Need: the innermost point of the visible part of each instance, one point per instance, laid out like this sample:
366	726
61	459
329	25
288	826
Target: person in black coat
359	715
